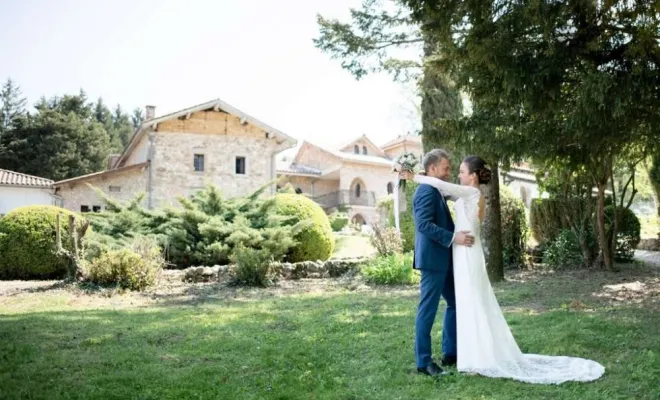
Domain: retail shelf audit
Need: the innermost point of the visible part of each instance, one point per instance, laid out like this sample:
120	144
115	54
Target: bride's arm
446	188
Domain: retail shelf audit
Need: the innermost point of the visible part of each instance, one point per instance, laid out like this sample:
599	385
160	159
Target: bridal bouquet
406	162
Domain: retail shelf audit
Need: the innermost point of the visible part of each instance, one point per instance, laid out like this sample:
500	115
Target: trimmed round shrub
515	231
27	243
628	232
315	242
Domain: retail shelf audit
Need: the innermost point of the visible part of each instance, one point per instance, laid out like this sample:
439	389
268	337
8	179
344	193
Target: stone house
521	179
356	176
179	153
18	190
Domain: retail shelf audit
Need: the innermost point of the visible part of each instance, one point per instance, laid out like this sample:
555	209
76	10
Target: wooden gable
211	122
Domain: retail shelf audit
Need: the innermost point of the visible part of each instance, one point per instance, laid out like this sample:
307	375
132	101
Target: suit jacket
434	230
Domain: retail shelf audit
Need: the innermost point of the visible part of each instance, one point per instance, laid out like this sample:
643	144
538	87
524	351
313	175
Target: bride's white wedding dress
485	343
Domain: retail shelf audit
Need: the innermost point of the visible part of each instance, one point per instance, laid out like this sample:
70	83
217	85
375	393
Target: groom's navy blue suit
434	234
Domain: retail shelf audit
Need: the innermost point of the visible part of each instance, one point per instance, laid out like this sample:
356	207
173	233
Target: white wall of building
13	197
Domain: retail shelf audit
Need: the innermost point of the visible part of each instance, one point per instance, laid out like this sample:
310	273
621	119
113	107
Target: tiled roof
103	173
363	158
298	169
11	178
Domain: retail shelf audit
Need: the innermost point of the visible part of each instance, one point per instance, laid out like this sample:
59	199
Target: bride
485	343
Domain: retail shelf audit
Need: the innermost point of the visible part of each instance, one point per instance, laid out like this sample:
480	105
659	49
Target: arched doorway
358	219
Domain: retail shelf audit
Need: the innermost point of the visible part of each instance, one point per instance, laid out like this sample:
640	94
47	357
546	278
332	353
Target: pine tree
575	81
137	118
12	116
122	126
12	105
206	229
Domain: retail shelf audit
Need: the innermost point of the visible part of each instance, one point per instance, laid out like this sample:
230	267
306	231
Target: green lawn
331	339
353	246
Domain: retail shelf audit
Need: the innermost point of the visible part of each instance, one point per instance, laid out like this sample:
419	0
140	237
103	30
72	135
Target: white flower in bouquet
406	162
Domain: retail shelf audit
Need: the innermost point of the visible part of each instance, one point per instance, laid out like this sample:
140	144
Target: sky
256	55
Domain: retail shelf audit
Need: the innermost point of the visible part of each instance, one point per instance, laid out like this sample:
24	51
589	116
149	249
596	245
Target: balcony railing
346	198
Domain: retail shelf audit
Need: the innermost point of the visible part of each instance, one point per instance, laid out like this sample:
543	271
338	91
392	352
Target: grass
323	339
353	246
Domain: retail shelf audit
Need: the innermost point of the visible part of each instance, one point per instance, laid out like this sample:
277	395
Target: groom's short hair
433	157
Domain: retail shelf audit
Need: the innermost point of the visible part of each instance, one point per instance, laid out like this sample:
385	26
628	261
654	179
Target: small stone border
289	271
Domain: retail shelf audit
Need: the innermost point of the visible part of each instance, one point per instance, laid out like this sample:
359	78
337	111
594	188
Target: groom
434	236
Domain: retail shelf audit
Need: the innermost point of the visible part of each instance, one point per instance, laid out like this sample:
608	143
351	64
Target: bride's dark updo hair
476	165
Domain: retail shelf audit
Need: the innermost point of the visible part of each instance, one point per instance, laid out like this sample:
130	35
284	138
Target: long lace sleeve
446	188
469	194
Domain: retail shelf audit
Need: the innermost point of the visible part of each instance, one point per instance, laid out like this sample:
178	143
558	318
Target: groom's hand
464	238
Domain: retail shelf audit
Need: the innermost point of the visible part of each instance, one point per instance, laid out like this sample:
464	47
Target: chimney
112	159
151	113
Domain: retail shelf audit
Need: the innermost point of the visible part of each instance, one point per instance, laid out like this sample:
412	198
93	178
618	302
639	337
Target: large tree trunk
604	241
583	226
492	229
654	178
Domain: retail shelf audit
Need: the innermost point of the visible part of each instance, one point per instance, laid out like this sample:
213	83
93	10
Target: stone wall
290	271
140	153
323	187
220	138
312	187
125	186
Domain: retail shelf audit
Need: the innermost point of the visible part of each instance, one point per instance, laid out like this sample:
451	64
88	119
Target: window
84	209
96	208
390	188
115	188
357	190
356	149
198	162
240	165
364	150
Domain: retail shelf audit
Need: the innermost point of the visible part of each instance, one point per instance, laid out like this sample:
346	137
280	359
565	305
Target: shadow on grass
341	345
631	284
